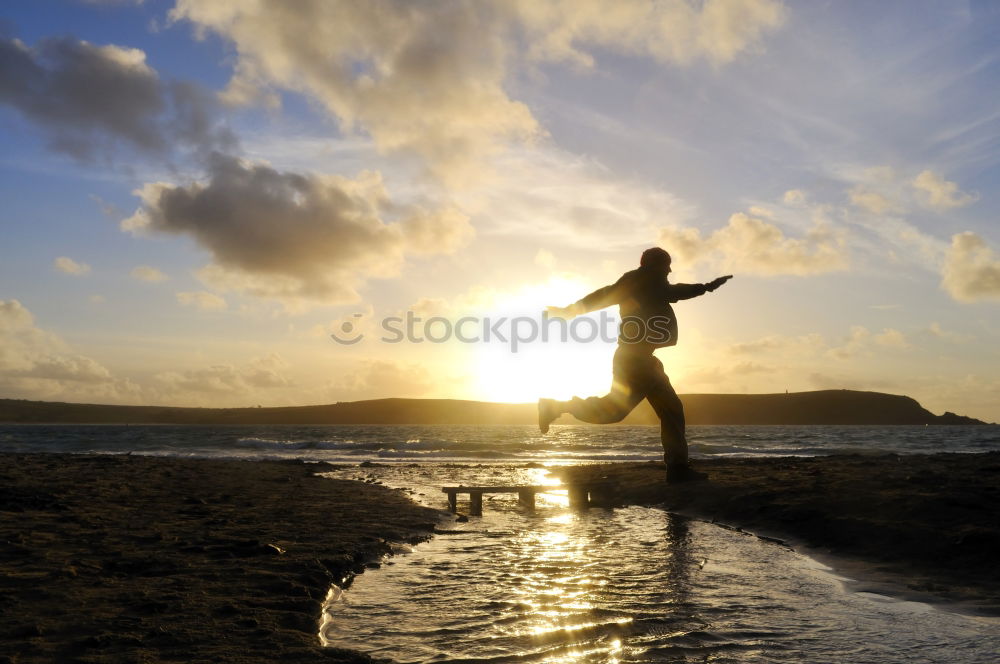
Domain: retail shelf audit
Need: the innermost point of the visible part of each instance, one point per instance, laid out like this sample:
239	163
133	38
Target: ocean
496	444
632	584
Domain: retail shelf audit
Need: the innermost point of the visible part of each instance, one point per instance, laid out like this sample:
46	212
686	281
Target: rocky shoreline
146	559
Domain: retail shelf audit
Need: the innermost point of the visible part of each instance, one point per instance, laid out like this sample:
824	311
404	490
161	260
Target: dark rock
229	609
301	622
151	607
29	631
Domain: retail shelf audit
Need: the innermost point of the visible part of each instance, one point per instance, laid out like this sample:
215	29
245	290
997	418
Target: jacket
643	297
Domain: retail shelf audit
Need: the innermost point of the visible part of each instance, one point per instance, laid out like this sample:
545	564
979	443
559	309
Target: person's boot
547	412
680	474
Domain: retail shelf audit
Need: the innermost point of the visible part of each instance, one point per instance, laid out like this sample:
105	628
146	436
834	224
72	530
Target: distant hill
821	407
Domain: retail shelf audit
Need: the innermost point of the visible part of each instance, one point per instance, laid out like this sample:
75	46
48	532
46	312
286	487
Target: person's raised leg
625	394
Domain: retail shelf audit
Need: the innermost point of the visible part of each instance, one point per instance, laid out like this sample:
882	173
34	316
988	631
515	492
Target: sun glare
559	367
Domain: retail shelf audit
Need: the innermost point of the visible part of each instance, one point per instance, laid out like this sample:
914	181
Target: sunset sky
196	194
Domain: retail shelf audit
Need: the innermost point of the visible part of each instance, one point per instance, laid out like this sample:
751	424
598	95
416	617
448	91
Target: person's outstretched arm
678	292
600	298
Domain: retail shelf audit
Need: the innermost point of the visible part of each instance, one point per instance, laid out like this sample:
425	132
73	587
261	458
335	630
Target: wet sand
141	559
921	527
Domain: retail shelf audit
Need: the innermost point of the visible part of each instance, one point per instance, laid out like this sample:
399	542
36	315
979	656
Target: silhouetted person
647	322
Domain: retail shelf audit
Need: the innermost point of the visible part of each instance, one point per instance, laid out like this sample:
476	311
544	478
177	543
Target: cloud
726	374
372	379
430	78
880	191
877	191
743	368
148	273
781	348
751	245
68	367
857	342
262	373
109	210
202	300
424	78
67	265
872	201
299	238
936	192
807	345
550	196
794	197
475	301
36	364
675	31
860	340
89	98
891	338
971	269
935	330
14	316
545	258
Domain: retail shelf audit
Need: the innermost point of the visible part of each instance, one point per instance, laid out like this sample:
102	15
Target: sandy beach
148	559
145	559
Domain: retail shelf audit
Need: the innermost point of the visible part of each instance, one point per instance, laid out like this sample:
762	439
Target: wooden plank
588	486
536	487
581	494
498	489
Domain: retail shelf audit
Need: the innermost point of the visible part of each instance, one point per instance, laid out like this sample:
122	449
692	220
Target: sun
543	372
558	367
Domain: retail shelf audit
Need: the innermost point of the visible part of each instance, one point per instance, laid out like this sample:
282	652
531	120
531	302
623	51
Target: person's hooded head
655	259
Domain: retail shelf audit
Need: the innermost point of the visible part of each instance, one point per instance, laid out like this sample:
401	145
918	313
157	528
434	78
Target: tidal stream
632	584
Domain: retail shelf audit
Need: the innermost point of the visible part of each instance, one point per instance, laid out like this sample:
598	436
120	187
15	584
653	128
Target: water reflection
624	585
546	592
555	578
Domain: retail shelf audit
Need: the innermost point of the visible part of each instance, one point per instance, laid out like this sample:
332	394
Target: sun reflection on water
597	586
556	597
541	477
541	589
